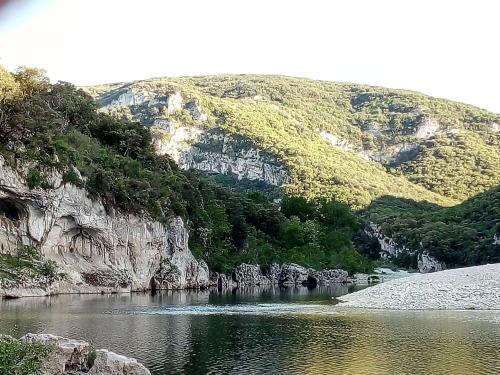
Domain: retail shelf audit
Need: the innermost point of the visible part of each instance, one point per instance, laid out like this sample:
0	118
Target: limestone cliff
214	152
389	248
95	249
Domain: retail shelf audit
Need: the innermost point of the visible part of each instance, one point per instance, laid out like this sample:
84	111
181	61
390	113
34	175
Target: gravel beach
475	288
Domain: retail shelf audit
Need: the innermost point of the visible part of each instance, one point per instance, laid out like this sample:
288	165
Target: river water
265	331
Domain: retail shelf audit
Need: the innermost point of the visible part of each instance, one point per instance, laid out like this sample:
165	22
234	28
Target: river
265	331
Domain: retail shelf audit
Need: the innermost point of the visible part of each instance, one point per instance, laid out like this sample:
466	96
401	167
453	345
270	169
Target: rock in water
75	357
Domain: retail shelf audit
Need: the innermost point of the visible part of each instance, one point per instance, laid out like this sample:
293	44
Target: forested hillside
397	157
56	127
351	142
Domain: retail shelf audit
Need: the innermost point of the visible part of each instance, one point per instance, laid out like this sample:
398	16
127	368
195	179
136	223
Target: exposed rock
95	250
221	280
293	274
249	274
194	108
174	102
336	141
283	275
75	357
426	129
427	263
217	153
457	289
495	127
390	248
331	276
496	240
128	97
393	154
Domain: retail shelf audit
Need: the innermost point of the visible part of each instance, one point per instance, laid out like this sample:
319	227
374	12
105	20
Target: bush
19	358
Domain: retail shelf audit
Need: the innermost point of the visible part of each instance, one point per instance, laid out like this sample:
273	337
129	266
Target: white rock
426	129
174	102
74	357
96	250
216	153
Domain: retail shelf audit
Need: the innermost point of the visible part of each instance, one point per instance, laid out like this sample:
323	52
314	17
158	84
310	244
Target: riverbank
475	288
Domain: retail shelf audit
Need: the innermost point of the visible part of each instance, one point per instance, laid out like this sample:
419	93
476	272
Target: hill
52	136
398	157
351	142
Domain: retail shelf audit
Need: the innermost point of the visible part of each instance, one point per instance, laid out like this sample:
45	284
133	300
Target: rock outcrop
96	250
390	248
75	357
215	152
427	264
282	275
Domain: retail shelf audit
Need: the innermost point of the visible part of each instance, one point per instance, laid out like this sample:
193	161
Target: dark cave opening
10	209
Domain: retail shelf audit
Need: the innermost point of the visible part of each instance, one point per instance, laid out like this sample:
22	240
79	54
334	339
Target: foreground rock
77	357
277	274
458	289
96	249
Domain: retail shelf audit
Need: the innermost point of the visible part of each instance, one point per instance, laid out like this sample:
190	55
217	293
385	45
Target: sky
443	48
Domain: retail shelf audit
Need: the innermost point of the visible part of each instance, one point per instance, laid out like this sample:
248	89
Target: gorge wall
94	249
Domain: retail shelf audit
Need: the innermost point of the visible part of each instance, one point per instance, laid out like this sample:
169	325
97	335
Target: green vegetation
459	235
426	153
20	358
58	128
25	265
285	115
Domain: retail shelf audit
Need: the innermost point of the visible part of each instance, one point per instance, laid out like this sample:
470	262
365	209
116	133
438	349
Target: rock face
128	97
75	357
214	152
95	250
496	240
389	248
283	275
174	102
426	263
194	109
249	274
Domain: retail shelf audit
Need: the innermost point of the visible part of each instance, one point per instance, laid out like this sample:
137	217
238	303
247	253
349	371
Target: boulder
293	274
75	357
331	276
249	274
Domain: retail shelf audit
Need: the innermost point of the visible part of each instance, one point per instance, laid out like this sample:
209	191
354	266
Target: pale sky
443	48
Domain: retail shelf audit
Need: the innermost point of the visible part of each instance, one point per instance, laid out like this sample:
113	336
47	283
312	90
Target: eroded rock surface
214	152
276	274
94	250
390	248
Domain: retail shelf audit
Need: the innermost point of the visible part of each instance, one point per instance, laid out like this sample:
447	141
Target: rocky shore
76	357
277	274
476	288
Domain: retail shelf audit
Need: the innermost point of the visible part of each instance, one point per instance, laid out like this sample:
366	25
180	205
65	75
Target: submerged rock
75	357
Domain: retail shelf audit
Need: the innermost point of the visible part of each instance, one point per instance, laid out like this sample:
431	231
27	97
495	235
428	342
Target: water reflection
265	330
